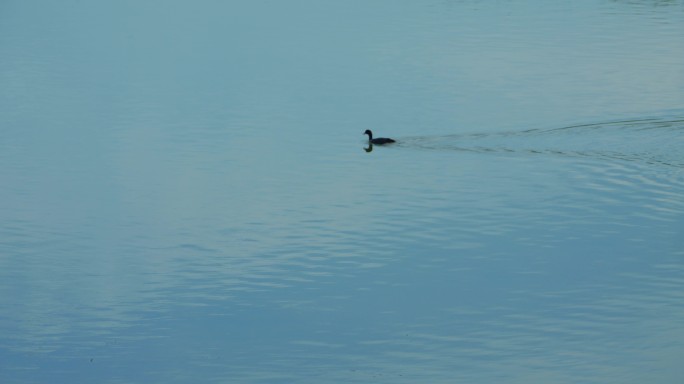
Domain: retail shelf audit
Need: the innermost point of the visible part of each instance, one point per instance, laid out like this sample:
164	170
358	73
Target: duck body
378	140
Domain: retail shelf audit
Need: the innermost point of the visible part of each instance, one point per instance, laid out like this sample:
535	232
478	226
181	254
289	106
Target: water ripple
648	140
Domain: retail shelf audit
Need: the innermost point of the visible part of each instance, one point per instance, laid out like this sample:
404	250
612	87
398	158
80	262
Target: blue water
186	194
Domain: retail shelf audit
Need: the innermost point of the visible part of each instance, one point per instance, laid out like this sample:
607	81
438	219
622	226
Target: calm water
186	196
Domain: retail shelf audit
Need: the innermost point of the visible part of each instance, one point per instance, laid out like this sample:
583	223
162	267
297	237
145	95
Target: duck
379	140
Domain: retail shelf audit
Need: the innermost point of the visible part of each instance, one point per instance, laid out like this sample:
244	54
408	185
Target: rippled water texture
186	194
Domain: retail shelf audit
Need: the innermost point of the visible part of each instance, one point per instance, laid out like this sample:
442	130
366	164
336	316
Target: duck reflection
369	148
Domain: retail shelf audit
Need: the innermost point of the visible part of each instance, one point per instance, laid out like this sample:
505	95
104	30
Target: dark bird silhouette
379	140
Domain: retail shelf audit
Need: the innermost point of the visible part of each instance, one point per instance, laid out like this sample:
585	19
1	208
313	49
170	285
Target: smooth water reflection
187	198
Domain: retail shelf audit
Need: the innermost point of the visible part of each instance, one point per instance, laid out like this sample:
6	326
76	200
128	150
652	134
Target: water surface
186	195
